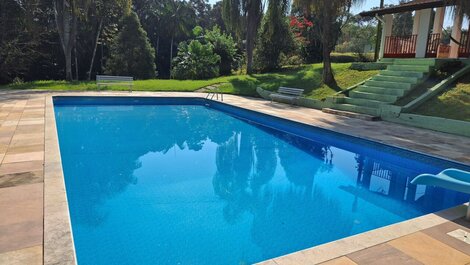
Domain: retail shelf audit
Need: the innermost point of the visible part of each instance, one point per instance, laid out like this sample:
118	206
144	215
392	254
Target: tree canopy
131	52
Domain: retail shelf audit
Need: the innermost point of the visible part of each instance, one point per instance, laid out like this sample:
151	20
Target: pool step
350	114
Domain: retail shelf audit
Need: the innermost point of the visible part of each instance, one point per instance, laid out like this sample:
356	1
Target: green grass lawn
454	103
307	77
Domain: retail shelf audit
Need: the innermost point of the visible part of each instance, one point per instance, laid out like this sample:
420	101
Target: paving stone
429	250
440	233
21	224
382	255
25	256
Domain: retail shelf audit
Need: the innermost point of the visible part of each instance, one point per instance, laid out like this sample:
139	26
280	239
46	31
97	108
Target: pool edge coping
58	238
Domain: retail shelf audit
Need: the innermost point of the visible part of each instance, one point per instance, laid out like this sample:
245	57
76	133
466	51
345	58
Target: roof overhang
408	7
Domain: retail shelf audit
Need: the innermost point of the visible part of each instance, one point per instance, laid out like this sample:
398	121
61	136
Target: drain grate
460	235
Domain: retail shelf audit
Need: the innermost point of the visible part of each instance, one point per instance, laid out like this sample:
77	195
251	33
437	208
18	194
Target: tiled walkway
22	145
21	178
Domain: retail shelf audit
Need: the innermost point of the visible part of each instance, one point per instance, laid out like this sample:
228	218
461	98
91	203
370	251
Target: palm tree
244	15
330	13
179	18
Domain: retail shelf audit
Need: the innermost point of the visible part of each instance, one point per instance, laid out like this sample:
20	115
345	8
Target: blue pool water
179	181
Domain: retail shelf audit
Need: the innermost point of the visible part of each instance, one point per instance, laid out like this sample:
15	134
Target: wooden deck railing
464	49
400	46
434	40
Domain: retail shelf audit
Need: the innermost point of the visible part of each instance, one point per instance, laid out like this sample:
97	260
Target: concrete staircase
400	77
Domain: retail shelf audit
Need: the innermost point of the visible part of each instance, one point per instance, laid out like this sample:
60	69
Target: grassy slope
454	103
307	77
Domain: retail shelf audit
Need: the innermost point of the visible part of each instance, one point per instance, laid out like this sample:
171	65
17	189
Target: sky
369	4
365	6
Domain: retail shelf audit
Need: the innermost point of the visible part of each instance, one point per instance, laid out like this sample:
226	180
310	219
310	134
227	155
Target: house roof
407	7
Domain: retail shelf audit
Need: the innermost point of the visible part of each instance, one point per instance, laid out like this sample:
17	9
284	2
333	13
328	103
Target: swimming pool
190	181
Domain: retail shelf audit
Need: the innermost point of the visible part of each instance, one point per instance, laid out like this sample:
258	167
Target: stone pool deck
34	225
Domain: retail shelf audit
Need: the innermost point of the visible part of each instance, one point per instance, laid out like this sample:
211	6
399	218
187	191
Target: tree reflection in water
270	182
294	215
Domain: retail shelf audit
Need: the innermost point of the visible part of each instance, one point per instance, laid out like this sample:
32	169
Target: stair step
364	102
381	90
373	96
401	79
428	62
386	84
357	109
411	68
401	73
351	114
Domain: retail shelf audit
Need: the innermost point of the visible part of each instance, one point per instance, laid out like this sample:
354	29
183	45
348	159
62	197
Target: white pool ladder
215	94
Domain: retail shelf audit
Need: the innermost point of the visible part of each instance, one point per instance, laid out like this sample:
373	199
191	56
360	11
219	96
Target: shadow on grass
307	78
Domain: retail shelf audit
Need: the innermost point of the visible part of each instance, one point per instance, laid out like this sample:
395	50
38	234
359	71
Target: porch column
386	32
423	32
456	33
439	20
416	22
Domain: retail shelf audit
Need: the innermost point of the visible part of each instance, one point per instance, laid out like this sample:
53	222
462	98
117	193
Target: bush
195	61
291	59
225	47
131	52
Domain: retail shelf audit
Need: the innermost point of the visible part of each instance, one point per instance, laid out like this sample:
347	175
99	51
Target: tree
270	44
403	23
196	61
18	39
464	6
356	36
331	14
131	52
215	15
244	14
102	13
66	12
225	47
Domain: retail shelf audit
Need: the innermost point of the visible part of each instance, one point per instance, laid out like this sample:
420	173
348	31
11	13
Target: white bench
289	93
103	80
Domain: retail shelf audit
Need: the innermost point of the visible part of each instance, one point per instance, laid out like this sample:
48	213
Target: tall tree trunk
171	56
249	50
76	60
328	77
379	36
95	46
65	18
157	46
253	19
